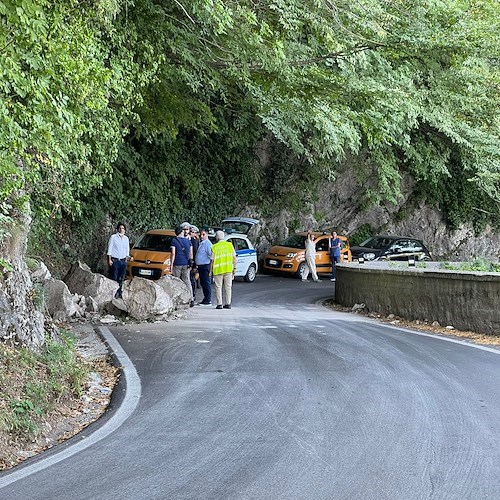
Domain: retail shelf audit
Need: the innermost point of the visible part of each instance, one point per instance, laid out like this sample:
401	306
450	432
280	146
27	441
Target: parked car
387	247
246	255
151	256
289	257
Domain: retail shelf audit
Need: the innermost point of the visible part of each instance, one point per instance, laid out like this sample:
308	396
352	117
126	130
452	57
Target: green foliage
362	233
481	265
39	296
60	106
150	110
460	199
41	381
21	421
5	266
197	177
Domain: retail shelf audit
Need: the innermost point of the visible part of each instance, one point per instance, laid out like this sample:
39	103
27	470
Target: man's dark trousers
206	285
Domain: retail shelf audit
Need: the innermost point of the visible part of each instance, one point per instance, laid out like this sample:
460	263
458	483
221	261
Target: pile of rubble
83	294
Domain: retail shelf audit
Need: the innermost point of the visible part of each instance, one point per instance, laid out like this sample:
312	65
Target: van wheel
250	275
301	270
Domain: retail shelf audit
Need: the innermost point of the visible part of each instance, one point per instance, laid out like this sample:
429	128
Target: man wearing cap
222	268
186	227
194	236
182	254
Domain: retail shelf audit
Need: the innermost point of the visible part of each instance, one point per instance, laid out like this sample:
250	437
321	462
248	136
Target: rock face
21	320
339	205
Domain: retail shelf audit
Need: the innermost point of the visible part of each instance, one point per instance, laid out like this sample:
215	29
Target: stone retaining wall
465	300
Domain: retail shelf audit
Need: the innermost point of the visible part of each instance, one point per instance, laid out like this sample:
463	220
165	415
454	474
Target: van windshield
154	242
295	241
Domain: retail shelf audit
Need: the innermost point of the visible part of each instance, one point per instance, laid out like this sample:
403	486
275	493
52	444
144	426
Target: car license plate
273	262
145	272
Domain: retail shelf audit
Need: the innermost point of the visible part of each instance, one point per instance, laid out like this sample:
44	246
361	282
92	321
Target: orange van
289	257
151	256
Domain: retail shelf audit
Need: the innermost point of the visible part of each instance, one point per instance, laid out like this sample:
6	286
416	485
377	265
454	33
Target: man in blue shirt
335	247
182	255
202	260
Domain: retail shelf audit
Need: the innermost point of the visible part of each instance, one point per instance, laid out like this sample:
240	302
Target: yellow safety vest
223	257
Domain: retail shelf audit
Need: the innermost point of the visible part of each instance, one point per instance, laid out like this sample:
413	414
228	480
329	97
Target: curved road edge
132	394
440	336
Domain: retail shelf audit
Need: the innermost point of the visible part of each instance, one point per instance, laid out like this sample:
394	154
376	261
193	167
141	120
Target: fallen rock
145	299
81	280
108	319
59	301
358	307
176	289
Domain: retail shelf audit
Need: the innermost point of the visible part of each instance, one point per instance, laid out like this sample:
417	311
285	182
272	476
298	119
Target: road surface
282	398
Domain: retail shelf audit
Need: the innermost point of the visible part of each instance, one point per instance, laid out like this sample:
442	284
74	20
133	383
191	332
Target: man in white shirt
118	251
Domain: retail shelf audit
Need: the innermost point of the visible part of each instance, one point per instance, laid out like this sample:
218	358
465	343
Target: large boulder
60	303
176	289
81	280
145	300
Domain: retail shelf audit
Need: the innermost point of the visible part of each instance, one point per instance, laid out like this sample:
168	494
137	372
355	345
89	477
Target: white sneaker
333	279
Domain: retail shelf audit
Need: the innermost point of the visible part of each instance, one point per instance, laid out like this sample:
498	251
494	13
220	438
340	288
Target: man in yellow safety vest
222	268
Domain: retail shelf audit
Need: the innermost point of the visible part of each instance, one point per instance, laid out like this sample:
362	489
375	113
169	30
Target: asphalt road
281	398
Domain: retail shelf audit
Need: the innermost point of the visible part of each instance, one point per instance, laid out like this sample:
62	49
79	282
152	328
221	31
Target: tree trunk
20	321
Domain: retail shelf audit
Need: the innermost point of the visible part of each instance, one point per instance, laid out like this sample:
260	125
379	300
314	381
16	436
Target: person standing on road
194	235
202	260
223	267
118	252
310	258
335	246
182	255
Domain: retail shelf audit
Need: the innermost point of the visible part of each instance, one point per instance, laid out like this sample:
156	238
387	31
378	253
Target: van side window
322	245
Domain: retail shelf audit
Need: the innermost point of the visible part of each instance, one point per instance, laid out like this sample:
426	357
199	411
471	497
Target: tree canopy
94	89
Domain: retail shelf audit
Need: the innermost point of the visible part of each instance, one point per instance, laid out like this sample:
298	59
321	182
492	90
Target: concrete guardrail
467	300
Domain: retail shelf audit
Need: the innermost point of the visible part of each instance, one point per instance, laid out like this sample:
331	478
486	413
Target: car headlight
369	256
291	255
166	262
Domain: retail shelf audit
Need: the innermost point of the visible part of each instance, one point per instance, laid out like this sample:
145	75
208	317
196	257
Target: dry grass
39	409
